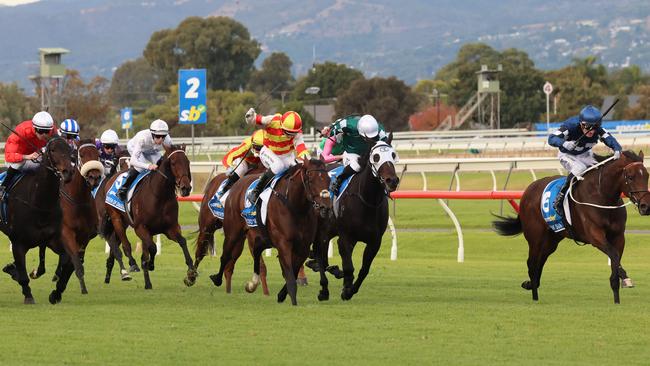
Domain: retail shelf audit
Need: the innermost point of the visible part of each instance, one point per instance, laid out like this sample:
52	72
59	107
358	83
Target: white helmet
109	137
159	127
368	126
43	120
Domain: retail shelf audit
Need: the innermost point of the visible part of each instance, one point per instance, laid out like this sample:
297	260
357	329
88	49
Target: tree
87	103
330	77
221	45
133	84
15	106
642	110
275	74
389	100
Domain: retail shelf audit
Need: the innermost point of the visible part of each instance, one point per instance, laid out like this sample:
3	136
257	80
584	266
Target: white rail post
330	249
459	231
393	233
158	245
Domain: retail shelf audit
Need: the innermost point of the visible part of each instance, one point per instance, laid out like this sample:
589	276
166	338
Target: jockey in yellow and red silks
241	159
283	142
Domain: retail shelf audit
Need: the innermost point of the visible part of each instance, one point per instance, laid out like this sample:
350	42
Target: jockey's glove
569	145
250	116
617	154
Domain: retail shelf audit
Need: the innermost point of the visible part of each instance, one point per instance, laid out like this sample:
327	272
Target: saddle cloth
3	205
335	198
218	201
551	217
111	196
249	213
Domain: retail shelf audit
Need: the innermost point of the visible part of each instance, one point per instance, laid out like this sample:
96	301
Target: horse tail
507	226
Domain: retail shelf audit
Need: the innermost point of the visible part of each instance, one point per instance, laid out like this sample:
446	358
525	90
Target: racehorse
79	217
597	213
296	202
362	215
208	224
155	210
34	217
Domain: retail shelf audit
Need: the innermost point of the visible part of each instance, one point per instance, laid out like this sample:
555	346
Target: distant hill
408	39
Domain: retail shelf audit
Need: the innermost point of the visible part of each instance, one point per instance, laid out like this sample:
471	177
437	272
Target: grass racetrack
424	308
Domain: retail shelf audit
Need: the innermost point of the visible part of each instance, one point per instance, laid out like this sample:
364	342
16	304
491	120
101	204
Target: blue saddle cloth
249	213
214	204
3	204
111	196
552	218
335	173
94	190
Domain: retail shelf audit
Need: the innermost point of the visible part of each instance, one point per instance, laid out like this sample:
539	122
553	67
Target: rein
305	182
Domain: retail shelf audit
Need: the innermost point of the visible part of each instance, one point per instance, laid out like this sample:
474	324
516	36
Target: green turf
424	308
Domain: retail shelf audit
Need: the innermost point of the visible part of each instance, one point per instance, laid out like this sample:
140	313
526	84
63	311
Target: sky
16	2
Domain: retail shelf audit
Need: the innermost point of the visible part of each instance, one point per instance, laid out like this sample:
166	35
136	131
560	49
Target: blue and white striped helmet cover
70	127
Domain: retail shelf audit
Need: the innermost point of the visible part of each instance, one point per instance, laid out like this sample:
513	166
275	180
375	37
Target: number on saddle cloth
335	173
113	199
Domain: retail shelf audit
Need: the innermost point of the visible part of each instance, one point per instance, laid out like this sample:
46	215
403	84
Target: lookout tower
51	76
487	89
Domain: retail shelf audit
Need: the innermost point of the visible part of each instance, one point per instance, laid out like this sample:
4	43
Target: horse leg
265	286
175	234
67	267
230	267
19	252
147	241
116	253
618	242
346	247
110	262
120	231
230	241
256	247
321	256
614	281
369	254
538	252
38	272
69	241
289	272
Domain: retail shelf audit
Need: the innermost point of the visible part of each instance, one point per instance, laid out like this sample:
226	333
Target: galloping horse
34	216
155	210
362	215
597	213
79	217
296	202
208	224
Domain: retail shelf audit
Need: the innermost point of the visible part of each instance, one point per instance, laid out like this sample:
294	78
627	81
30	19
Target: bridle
48	156
177	181
628	183
305	178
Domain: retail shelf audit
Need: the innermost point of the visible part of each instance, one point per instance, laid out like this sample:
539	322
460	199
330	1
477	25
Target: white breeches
577	164
277	163
352	160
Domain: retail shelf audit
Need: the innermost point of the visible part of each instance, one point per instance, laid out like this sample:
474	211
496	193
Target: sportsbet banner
611	126
192	92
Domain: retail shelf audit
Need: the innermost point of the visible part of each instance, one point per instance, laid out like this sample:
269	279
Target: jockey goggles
588	126
154	136
257	147
42	131
109	146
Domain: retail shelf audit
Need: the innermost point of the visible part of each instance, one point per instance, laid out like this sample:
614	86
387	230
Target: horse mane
628	153
86	141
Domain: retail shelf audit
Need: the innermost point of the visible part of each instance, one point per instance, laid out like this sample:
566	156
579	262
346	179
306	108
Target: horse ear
641	154
389	140
168	149
183	147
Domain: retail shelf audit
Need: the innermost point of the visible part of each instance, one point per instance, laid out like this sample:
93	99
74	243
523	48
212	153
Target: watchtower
488	86
51	76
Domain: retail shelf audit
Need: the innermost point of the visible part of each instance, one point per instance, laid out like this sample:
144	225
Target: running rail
510	196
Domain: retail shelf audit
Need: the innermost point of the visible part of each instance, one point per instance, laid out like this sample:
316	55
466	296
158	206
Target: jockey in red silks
282	142
239	160
32	136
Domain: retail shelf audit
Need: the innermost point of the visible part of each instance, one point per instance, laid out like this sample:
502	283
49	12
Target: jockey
575	138
238	160
356	134
25	144
330	148
146	150
282	140
108	149
69	130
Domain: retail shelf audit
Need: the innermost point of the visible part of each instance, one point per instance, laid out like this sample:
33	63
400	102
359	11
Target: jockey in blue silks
575	138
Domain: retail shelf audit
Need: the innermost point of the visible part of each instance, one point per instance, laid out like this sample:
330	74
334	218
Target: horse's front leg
147	241
67	267
619	243
68	241
38	272
19	250
120	230
346	247
175	234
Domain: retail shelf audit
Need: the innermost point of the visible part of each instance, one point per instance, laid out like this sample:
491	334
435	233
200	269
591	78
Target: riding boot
558	205
121	193
11	173
232	178
336	183
264	180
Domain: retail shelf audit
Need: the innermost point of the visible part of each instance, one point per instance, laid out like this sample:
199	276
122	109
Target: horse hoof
84	291
152	267
216	280
301	281
55	298
250	287
627	283
134	268
335	271
281	298
346	294
526	285
323	295
313	264
124	274
188	282
29	301
34	274
148	287
107	280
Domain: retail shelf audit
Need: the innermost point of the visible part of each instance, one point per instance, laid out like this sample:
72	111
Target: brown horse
208	224
34	216
597	213
155	210
362	215
78	205
297	200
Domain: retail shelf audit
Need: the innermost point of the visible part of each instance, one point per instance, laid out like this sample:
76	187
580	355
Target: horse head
382	158
316	182
635	180
180	167
90	167
57	158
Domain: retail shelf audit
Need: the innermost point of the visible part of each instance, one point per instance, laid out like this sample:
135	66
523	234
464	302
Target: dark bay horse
155	210
597	213
208	224
78	205
297	200
34	216
362	215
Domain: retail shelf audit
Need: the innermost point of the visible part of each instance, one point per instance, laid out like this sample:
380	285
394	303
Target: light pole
436	95
313	90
